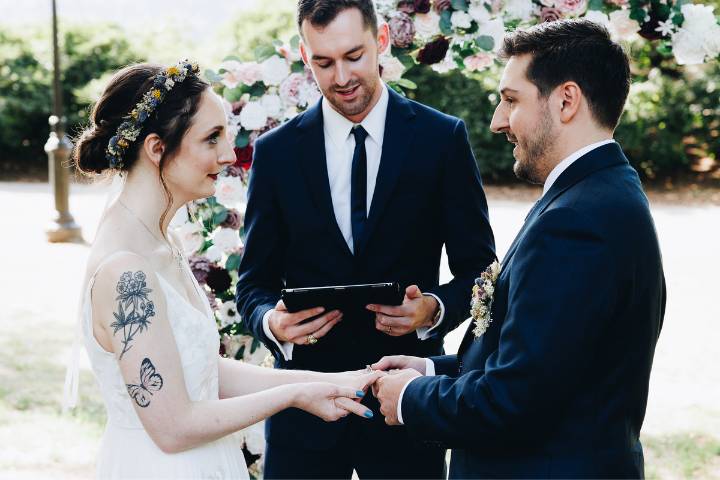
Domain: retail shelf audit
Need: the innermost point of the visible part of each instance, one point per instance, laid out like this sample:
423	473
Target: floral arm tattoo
134	308
150	381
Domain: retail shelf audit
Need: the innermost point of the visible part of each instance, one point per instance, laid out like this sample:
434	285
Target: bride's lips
214	176
348	94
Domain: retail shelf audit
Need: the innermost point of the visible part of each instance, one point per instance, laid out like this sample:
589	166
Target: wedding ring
388	329
311	340
368	368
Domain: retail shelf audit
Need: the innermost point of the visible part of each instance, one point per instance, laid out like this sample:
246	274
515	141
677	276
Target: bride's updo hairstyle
170	117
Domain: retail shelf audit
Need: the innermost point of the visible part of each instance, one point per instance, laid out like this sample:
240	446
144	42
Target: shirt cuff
429	372
286	348
424	333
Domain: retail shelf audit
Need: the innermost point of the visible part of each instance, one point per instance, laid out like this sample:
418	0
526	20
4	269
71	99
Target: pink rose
402	30
571	7
550	14
477	62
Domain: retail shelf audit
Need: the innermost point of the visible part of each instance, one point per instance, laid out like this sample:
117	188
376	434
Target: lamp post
63	227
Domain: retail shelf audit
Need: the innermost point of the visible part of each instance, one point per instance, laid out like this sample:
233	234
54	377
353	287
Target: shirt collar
569	160
338	127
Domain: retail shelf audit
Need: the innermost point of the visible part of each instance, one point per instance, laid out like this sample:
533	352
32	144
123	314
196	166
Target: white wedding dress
127	451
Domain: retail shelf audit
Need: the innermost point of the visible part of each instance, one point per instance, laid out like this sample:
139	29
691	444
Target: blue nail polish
368	413
360	393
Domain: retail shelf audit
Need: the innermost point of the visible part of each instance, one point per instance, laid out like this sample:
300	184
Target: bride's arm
239	378
128	304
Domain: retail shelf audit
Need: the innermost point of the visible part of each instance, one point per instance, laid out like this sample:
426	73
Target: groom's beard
531	162
358	105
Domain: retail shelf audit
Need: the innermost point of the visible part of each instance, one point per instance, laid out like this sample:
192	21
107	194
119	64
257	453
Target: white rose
191	237
253	116
427	25
308	94
598	17
698	37
479	13
228	314
460	19
392	68
495	29
229	191
518	9
272	104
274	70
214	253
622	27
226	239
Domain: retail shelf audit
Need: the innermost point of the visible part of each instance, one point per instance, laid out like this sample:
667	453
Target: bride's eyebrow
214	130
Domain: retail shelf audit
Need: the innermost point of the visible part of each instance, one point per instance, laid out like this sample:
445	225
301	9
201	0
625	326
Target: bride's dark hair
170	121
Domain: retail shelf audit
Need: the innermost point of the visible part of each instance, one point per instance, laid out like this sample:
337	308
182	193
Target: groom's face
343	57
524	116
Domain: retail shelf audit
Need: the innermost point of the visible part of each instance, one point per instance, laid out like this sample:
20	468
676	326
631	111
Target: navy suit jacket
557	386
428	194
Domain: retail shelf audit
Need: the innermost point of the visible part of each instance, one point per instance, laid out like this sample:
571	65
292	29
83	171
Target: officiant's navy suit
558	384
428	194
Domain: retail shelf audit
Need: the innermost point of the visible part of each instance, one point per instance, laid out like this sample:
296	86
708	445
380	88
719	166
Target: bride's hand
357	379
329	401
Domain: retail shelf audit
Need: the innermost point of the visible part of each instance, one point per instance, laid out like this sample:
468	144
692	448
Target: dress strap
84	312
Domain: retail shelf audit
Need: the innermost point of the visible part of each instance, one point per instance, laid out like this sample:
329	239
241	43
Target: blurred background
670	132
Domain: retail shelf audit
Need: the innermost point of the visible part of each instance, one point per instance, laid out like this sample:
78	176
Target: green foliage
26	84
259	27
672	116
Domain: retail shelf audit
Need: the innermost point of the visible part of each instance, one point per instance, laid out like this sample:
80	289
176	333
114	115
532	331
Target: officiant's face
524	116
204	152
343	57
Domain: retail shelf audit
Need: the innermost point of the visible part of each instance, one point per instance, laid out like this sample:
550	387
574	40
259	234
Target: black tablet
342	297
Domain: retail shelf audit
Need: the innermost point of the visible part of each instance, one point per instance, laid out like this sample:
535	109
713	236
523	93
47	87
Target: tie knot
359	133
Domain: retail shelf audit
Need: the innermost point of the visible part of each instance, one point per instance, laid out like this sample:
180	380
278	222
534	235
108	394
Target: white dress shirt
339	147
551	178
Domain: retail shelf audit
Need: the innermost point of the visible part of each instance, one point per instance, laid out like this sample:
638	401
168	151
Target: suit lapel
311	145
602	157
397	140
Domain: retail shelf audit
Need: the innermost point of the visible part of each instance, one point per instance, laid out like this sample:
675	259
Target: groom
557	386
365	186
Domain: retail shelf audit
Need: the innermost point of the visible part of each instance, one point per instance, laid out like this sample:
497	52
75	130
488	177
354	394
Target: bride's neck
143	194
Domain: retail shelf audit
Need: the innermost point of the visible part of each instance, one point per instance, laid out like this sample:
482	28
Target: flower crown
129	130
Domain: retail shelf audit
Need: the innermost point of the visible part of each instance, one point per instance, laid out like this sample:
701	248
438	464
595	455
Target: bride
151	337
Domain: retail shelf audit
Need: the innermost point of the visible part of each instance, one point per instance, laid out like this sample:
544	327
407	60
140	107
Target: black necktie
358	185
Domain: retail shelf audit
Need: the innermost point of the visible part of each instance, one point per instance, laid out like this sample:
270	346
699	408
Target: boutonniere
482	297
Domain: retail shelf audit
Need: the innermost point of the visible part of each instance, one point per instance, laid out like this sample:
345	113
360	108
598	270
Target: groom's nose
500	120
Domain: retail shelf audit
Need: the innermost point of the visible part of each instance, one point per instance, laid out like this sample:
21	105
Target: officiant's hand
416	311
288	327
387	390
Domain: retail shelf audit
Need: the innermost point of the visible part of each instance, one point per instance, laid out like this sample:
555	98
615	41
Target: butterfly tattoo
150	382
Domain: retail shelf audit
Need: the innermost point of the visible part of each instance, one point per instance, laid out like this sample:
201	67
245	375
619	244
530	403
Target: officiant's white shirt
339	147
551	178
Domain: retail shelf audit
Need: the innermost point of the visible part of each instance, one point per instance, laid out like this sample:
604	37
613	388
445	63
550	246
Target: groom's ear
303	54
570	98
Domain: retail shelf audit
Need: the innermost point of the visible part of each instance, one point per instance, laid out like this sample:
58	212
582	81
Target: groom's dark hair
321	12
580	51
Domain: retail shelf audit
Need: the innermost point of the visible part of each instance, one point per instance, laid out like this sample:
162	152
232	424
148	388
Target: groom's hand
387	390
289	327
416	311
400	362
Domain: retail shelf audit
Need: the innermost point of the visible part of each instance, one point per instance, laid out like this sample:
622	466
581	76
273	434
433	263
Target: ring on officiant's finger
311	340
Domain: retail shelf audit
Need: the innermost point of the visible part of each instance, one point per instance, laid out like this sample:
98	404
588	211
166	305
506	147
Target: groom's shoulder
281	135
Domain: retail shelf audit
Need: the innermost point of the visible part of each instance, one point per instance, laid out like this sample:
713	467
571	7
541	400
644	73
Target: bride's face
204	152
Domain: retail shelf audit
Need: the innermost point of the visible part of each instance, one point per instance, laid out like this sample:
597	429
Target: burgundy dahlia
218	279
422	6
243	157
434	52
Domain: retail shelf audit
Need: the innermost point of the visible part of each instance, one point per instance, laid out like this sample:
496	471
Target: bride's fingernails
368	414
360	393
